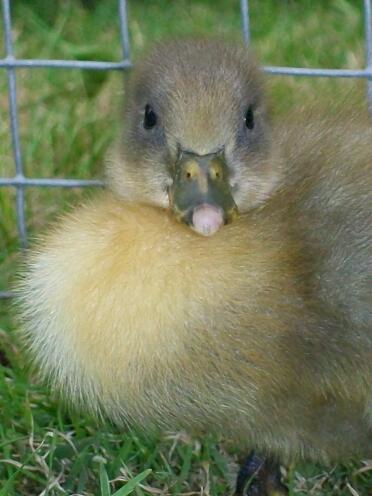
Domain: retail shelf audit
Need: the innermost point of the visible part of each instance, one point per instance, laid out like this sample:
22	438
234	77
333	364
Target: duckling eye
249	118
150	118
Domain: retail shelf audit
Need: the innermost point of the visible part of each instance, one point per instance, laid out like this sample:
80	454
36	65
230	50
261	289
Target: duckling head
195	136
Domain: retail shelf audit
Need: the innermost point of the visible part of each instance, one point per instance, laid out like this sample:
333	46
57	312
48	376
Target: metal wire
16	146
368	45
244	14
11	64
301	71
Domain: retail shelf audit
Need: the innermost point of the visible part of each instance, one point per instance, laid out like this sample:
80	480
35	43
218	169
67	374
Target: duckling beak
200	195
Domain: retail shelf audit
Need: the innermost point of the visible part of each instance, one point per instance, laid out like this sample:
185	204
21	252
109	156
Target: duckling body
136	315
260	331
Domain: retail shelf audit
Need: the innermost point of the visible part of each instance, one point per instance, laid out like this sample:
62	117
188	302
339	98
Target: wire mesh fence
10	64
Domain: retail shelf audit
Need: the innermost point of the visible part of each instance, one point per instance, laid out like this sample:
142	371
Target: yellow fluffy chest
123	304
121	290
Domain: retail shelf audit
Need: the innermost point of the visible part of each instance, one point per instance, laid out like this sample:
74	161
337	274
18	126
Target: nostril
215	173
191	170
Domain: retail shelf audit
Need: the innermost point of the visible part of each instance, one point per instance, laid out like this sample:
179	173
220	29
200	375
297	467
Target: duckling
222	284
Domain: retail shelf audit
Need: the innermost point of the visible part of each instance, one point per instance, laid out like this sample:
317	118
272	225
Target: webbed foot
259	477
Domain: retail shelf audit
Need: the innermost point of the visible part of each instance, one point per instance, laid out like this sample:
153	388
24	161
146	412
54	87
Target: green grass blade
132	484
104	481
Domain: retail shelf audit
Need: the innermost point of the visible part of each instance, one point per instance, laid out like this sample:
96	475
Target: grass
67	121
